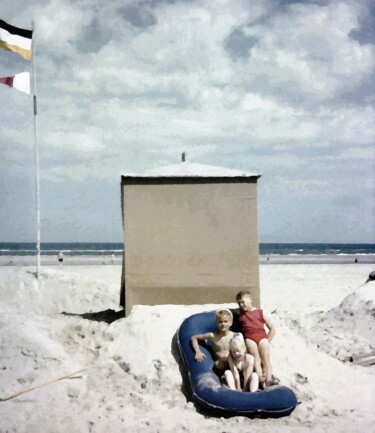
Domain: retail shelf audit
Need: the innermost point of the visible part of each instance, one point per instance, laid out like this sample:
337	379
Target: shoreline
274	259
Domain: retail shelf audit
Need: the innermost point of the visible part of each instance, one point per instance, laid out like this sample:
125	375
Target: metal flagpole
37	187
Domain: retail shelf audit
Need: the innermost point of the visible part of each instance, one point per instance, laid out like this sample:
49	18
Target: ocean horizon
117	248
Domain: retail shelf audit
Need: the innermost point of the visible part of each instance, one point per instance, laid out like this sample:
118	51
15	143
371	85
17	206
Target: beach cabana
190	235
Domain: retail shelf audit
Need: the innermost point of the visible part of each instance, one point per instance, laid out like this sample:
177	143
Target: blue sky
282	88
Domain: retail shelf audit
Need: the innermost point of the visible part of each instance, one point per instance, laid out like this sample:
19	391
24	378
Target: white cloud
77	142
364	154
349	125
171	82
59	23
310	46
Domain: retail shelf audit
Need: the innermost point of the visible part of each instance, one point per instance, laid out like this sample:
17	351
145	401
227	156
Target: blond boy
219	340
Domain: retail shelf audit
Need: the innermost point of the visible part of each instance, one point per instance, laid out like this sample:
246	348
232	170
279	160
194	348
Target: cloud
354	153
138	16
350	125
307	49
93	37
365	31
283	87
239	45
59	24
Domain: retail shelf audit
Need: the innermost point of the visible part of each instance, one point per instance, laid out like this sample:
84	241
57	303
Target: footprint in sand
159	368
301	379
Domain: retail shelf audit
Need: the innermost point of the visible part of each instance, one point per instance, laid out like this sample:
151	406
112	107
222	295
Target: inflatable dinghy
208	392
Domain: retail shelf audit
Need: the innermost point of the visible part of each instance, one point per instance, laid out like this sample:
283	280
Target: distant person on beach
240	376
60	258
257	340
219	340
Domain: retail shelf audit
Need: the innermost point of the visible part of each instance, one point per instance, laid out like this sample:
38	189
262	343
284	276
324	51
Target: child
220	340
257	340
241	361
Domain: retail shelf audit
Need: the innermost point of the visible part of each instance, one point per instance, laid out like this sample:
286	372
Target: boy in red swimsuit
257	340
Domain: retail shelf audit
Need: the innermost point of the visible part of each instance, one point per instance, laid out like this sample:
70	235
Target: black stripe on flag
16	30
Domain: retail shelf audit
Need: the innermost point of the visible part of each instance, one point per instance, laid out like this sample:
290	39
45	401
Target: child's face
237	350
224	322
245	303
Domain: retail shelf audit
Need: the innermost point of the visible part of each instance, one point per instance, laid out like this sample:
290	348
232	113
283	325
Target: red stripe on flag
7	80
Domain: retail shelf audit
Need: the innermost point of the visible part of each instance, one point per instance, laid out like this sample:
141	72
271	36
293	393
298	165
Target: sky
281	88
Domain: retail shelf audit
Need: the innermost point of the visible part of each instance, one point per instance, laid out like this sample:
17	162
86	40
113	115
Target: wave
117	248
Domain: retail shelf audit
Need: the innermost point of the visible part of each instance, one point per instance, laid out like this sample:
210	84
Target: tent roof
190	169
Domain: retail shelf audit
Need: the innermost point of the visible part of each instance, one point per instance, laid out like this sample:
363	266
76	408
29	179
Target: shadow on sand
107	316
185	386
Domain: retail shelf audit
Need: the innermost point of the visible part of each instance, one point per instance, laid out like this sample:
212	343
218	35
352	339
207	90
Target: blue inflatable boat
208	392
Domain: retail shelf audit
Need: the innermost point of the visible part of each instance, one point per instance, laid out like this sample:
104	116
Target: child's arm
235	373
199	355
271	327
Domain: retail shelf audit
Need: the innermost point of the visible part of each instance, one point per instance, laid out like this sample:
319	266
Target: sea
116	249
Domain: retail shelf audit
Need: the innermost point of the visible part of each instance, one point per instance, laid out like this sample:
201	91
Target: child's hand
200	356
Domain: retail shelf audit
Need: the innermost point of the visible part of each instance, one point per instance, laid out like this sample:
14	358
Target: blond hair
223	312
237	341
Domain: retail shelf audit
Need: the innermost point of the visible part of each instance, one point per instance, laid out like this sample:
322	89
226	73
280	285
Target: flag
19	81
15	39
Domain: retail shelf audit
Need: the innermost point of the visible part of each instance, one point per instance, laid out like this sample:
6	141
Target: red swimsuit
253	325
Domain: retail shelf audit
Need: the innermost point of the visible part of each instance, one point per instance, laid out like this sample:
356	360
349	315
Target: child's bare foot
276	380
272	381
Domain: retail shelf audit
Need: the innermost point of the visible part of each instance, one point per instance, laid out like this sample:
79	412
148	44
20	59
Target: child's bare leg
254	382
253	350
229	379
264	351
251	362
248	372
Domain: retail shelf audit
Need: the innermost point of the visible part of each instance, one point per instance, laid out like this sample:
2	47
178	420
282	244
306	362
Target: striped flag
15	39
19	81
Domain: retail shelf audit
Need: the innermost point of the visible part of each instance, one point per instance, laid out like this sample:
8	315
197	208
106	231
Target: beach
131	380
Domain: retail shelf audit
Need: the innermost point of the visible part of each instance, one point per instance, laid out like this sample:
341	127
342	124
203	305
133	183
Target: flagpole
36	147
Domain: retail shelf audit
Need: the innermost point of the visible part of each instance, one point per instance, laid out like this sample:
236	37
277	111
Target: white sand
132	381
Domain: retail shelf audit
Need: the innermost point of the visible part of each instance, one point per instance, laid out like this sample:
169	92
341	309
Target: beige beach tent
190	236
